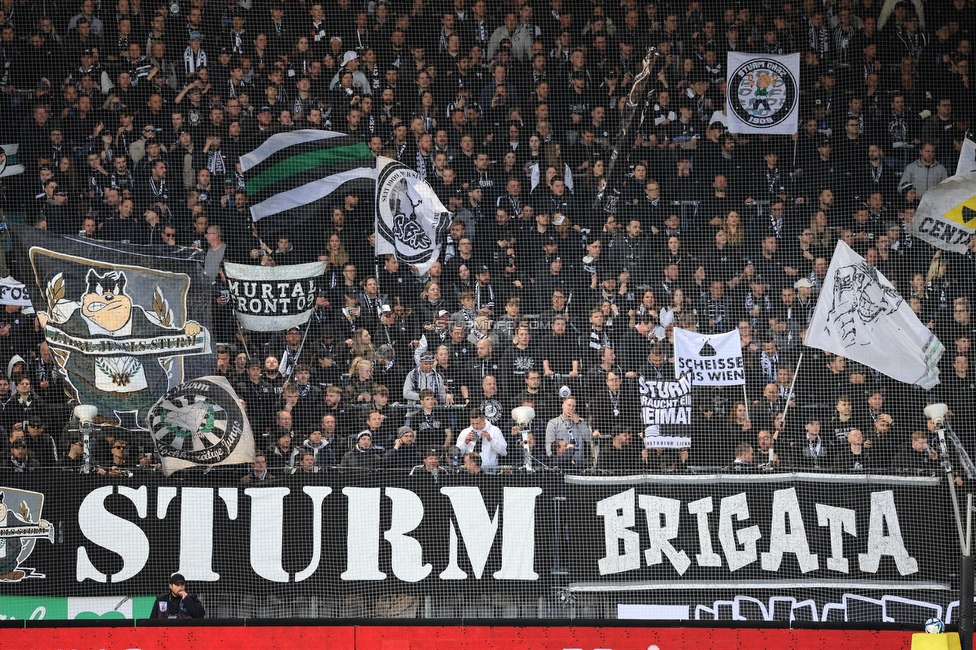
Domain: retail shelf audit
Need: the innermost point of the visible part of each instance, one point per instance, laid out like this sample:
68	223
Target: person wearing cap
258	396
177	603
388	334
262	130
194	57
19	459
321	442
74	459
405	453
350	64
294	353
41	444
283	454
437	333
363	455
431	462
424	377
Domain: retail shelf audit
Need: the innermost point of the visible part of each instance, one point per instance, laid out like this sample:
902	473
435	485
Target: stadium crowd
131	116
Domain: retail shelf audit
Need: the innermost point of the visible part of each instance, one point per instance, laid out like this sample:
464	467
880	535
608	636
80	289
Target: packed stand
131	116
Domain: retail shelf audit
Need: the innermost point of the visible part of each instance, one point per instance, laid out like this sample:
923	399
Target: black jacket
170	606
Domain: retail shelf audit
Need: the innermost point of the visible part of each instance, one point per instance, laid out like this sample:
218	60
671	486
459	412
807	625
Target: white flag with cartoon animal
861	317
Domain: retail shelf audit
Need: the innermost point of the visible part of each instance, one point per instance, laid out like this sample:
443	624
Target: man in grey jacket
924	173
569	426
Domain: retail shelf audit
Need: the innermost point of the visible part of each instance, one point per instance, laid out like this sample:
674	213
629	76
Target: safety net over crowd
457	310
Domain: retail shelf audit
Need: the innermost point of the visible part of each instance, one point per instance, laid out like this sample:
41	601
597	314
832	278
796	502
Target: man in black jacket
177	603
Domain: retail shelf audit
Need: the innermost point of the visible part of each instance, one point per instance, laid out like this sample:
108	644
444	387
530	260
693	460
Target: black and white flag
946	214
273	298
763	93
666	412
201	422
125	323
411	222
713	359
861	317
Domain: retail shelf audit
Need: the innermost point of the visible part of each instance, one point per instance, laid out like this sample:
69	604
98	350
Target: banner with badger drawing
125	323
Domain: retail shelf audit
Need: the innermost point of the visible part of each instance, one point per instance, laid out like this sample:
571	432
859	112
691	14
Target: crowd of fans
130	117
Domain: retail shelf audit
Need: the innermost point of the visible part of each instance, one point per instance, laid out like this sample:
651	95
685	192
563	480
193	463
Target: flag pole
301	346
745	398
633	108
796	372
240	330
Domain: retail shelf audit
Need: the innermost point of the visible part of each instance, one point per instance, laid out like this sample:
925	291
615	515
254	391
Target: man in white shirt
493	443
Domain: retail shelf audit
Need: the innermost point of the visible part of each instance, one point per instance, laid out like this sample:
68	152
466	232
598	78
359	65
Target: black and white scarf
238	42
772	183
158	190
484	296
770	364
234	89
193	61
819	40
216	163
898	128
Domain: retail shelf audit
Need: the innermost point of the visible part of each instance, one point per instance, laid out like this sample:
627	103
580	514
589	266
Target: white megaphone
523	416
85	414
936	413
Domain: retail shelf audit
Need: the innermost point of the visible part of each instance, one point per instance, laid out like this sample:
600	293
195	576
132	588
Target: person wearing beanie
405	453
363	455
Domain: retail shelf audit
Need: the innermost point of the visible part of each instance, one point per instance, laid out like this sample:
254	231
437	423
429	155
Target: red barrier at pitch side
437	638
298	637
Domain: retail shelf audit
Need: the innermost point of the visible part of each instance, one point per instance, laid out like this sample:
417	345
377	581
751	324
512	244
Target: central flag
201	422
291	176
273	298
946	215
763	93
411	222
861	317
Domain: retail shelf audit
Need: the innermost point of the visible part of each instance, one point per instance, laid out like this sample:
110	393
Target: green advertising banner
74	608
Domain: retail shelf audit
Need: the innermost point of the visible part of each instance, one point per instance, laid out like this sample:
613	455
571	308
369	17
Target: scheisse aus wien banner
713	359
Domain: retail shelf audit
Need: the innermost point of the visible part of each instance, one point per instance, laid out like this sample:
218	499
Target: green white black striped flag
292	175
